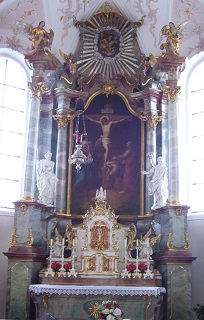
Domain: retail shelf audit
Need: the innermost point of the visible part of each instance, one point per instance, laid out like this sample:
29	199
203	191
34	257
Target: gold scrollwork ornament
13	236
43	298
23	208
108	88
179	212
30	237
169	242
187	246
149	303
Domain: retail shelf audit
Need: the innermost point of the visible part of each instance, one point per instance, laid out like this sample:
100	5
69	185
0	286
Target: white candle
51	242
137	243
63	241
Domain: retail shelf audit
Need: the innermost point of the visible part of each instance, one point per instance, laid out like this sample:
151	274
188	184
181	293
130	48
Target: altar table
73	302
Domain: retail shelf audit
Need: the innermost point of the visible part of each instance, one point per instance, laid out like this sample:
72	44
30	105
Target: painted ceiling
58	15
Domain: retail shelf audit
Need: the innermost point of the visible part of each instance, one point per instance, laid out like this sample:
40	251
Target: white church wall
6	227
196	236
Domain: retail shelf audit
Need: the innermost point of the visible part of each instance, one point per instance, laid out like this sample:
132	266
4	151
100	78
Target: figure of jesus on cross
106	124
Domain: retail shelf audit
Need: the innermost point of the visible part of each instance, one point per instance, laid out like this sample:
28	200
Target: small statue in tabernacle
100	194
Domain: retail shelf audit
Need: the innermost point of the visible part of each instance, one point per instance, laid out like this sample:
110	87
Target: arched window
196	114
13	113
192	133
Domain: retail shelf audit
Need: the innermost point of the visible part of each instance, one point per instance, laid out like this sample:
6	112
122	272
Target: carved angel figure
173	36
70	65
147	243
57	246
41	39
146	250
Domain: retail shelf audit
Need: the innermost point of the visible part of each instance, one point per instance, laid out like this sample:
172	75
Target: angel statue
70	66
173	36
41	39
57	245
146	244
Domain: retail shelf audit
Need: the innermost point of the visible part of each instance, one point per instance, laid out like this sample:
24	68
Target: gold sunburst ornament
94	310
109	44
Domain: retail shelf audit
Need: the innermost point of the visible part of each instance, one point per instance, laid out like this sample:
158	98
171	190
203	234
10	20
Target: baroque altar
130	111
100	264
101	248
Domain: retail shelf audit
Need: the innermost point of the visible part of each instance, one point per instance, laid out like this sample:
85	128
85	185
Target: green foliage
199	310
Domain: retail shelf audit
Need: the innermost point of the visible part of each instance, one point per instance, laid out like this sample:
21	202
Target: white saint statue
46	180
158	185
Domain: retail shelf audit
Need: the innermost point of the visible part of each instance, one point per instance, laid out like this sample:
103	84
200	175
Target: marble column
37	88
172	64
64	115
152	99
61	160
164	130
172	91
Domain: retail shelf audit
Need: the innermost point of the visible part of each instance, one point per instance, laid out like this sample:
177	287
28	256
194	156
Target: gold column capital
37	89
62	119
152	120
172	92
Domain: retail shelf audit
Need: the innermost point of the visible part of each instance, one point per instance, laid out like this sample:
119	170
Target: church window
196	110
13	100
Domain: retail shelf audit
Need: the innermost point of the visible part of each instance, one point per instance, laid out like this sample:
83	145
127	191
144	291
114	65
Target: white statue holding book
158	185
46	180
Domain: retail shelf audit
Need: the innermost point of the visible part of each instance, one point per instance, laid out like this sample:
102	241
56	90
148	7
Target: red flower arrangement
56	266
142	267
131	267
68	266
111	312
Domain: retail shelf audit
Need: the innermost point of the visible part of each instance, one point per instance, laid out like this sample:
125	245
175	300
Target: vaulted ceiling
58	15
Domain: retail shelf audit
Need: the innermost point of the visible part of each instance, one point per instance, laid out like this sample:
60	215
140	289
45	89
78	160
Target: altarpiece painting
114	138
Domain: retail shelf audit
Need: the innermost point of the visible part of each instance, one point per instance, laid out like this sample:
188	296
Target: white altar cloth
96	290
